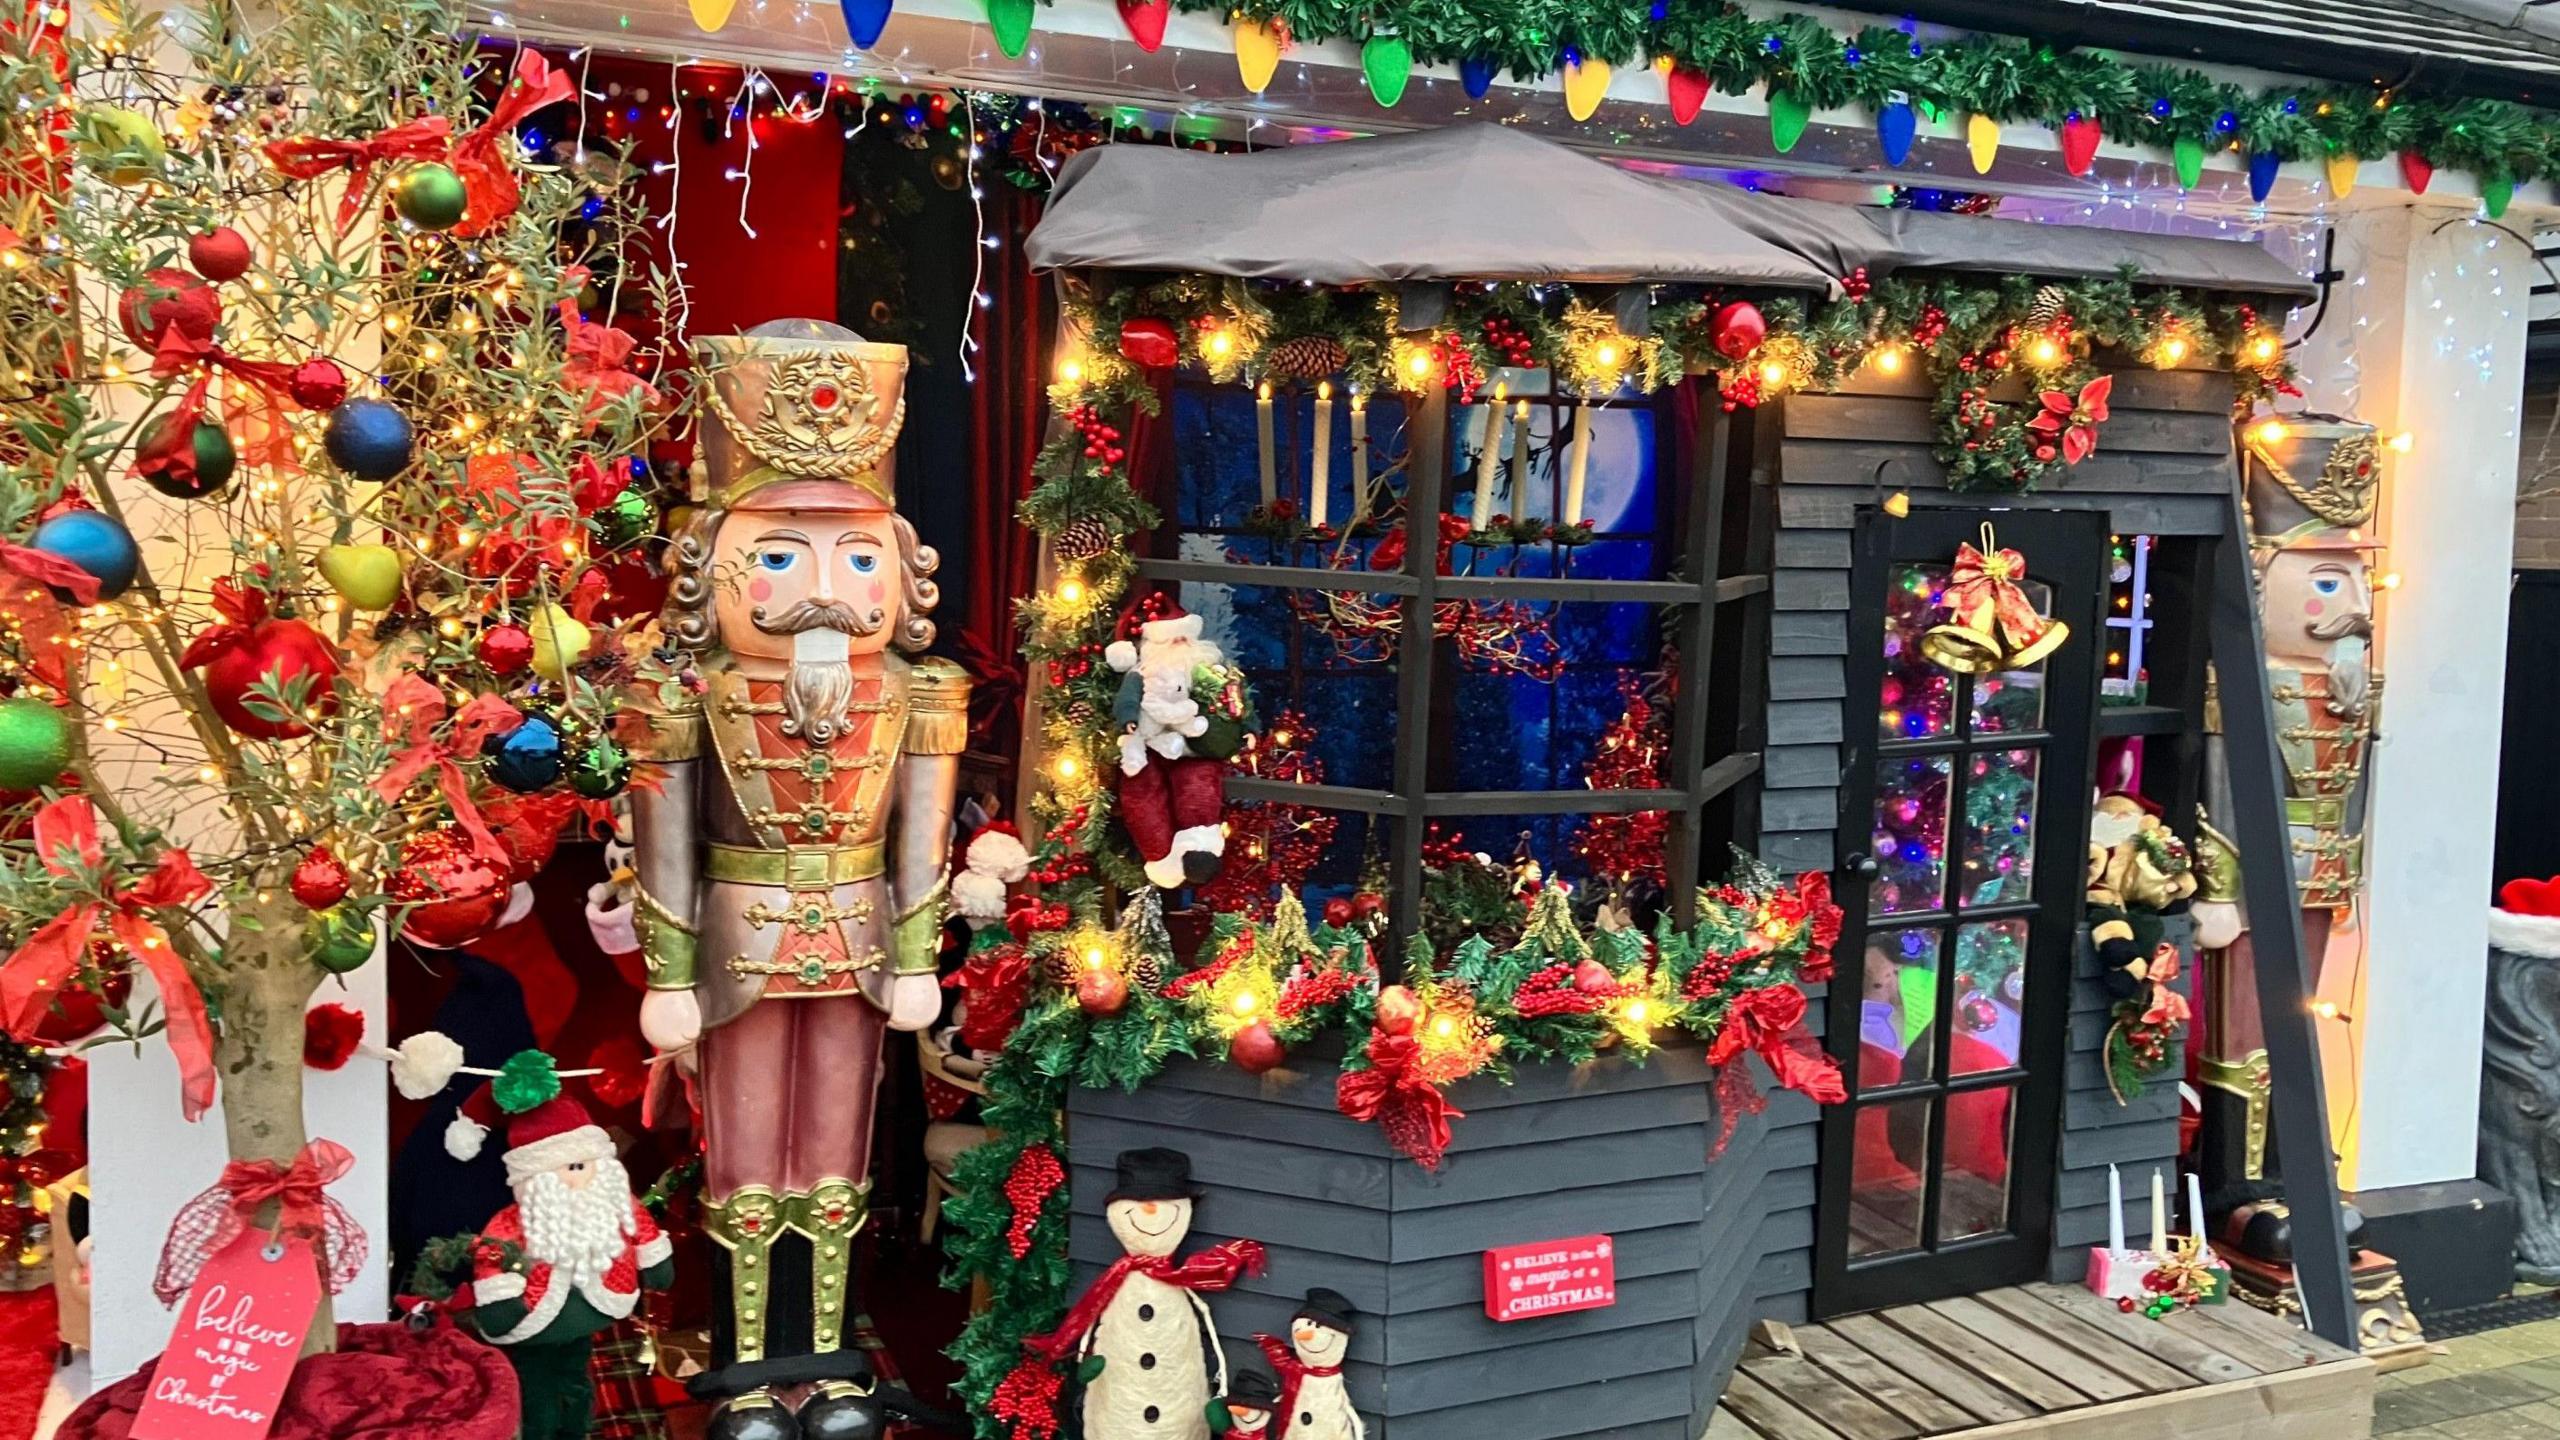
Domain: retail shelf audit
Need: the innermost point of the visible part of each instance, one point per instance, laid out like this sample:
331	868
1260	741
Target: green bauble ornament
1788	116
430	196
1387	61
630	516
600	770
341	938
35	743
2188	154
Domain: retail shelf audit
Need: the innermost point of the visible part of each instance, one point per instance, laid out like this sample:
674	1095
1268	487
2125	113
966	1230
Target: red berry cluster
1855	284
1101	441
1440	851
1066	865
1933	323
1707	976
1740	389
1314	991
1075	665
1551	992
1505	337
1460	363
1036	1176
1028	917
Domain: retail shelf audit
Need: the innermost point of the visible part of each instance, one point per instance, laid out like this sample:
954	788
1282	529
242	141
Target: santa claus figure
563	1263
1314	1404
1182	713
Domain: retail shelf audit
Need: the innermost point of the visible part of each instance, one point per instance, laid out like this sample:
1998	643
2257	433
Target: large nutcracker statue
792	864
2312	486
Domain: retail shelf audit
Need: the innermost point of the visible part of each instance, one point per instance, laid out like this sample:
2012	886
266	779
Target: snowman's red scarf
1293	1373
1216	1268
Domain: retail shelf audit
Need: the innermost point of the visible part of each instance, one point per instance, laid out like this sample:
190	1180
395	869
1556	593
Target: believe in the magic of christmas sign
1550	1277
239	1333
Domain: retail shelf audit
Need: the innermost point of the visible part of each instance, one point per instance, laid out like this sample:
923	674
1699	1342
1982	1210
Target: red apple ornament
505	648
219	254
1255	1049
1149	341
1593	978
1739	329
1101	991
277	651
454	894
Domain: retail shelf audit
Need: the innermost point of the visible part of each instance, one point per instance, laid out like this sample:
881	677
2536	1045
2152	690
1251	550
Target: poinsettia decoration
2070	422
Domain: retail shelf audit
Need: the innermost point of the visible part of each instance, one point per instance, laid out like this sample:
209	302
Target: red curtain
1008	415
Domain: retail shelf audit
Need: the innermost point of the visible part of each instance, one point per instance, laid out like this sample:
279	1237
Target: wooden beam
1279	577
1425	478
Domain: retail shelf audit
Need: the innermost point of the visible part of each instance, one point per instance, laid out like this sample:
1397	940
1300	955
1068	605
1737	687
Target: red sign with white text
239	1333
1550	1277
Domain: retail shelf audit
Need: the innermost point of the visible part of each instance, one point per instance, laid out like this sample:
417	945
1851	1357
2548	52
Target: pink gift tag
239	1333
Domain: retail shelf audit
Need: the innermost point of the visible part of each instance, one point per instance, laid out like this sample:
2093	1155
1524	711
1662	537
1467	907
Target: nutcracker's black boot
755	1415
842	1410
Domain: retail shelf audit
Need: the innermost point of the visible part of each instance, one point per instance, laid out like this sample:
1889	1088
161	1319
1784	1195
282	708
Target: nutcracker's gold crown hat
798	400
2313	483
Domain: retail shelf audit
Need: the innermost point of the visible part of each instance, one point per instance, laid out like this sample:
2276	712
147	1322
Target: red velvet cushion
384	1382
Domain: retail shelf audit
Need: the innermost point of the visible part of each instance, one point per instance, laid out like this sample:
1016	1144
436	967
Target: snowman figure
1149	1352
1314	1405
1252	1403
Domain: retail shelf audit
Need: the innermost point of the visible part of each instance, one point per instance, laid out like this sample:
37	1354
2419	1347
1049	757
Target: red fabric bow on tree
411	710
597	353
309	158
175	315
488	182
31	594
304	1211
2073	423
1394	1092
1768	1021
66	837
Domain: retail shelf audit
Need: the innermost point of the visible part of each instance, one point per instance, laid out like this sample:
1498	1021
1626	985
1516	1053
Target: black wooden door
1963	825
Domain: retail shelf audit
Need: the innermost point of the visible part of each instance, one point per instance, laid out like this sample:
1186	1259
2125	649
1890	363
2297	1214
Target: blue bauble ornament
526	758
1476	72
864	20
1896	125
96	543
368	439
2262	174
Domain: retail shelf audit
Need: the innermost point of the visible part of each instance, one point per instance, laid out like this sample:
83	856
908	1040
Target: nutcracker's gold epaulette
666	731
937	708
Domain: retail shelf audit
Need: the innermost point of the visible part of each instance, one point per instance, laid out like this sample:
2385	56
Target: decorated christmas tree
318	442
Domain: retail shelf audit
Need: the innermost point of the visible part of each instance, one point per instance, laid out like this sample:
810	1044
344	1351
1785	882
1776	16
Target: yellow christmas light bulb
2341	170
1585	83
1773	373
1258	45
1444	1027
2043	351
2265	348
1066	767
1888	360
2271	432
1219	344
1982	140
1638	1011
2390	580
1070	370
1245	1002
1071	592
1093	957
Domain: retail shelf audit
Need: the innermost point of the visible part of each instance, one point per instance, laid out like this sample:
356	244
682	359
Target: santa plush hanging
1148	1352
569	1258
1314	1404
1182	712
994	861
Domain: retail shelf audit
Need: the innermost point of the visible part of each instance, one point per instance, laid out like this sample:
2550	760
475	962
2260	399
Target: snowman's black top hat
1154	1174
1253	1387
1329	1308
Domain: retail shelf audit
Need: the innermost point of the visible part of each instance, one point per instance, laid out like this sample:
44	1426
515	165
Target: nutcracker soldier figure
2312	487
792	881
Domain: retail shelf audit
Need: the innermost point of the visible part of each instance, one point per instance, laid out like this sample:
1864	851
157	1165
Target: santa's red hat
548	1129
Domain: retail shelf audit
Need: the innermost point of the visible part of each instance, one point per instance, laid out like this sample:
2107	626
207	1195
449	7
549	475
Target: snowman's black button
1146	1312
1306	1417
1149	1415
1147	1361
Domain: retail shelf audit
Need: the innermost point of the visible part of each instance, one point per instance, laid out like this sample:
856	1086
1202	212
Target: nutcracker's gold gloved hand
915	937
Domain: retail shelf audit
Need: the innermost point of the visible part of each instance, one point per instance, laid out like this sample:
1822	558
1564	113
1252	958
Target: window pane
1916	698
1991	987
1999	827
1910	842
1891	1151
1893	1016
1973	1186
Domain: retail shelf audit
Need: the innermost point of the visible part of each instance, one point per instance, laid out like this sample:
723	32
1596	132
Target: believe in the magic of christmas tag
239	1333
1550	1277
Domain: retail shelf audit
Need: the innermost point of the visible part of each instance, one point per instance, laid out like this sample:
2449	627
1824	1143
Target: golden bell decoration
1991	624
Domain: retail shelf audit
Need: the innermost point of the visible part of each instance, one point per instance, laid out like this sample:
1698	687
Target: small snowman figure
1314	1405
1251	1404
1149	1353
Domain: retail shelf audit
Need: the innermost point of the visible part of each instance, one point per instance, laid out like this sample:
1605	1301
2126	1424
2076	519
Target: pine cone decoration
1062	969
1081	541
1080	713
2046	312
1146	974
1307	357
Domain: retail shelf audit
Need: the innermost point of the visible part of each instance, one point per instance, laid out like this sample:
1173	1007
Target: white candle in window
1359	457
2115	1210
1320	472
1488	459
2195	1205
1262	432
1579	469
1520	454
2159	1217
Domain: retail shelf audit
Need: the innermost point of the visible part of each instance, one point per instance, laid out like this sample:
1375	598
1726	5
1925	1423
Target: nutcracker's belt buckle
808	867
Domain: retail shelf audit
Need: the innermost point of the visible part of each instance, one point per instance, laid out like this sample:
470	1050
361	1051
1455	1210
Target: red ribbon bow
2074	422
1394	1092
66	839
309	157
488	184
175	316
302	1210
1766	1021
411	710
2168	1007
1983	592
596	355
46	568
36	608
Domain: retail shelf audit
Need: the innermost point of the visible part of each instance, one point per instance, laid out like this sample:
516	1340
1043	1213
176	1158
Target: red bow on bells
596	355
220	1215
175	315
66	836
2168	1007
2074	422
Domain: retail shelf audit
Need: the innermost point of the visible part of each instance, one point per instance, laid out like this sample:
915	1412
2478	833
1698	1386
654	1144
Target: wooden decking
2049	1362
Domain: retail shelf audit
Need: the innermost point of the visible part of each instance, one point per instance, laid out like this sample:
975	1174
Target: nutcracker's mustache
833	615
2341	625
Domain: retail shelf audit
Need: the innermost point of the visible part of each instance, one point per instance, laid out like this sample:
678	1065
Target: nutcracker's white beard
580	1233
819	688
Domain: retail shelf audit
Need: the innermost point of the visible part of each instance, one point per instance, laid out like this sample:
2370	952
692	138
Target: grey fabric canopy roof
1486	202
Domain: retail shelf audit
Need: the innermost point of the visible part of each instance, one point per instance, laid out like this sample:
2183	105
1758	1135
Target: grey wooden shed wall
1612	1148
2164	466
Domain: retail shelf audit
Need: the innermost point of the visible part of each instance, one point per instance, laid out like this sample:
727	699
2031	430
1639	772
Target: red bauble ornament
219	254
1101	990
1255	1049
1149	341
1978	1013
320	881
455	893
318	385
286	650
1593	978
505	648
1739	329
1397	1010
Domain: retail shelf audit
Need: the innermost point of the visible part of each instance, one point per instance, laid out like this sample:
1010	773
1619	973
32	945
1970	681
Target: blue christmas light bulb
865	19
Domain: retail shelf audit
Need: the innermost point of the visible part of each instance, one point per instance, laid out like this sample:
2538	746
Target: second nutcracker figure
792	863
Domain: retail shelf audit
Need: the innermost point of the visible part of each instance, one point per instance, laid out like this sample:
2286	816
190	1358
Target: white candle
1320	473
1359	457
2159	1216
1262	431
1520	454
1580	468
1488	459
2195	1205
2115	1210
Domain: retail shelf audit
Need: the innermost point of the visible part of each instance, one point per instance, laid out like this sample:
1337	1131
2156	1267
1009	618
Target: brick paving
2497	1385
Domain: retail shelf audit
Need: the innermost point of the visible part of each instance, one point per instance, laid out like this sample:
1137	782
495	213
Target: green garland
2152	105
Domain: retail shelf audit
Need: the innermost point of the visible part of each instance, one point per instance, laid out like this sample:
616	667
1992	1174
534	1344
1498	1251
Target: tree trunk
258	1053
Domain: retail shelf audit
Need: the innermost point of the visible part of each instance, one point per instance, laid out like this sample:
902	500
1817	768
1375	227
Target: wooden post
1703	511
1425	479
2238	645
